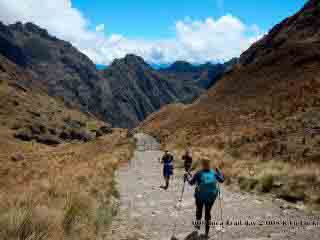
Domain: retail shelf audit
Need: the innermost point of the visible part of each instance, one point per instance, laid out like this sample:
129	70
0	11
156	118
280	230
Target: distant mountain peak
30	27
133	89
181	66
130	61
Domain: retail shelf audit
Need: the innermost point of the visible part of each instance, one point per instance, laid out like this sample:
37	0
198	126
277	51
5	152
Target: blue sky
155	19
161	32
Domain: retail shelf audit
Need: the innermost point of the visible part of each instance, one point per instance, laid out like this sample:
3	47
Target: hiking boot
192	236
174	238
204	237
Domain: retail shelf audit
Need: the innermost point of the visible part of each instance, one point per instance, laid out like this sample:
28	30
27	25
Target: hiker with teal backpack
206	191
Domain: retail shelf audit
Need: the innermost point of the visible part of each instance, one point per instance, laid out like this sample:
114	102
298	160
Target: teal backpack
207	189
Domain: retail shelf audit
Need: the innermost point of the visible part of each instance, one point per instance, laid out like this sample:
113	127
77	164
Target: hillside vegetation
56	164
35	116
262	117
64	192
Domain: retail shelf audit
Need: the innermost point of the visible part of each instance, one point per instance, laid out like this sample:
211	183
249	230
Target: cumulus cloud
195	40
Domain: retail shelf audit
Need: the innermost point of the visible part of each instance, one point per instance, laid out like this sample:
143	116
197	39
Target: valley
71	129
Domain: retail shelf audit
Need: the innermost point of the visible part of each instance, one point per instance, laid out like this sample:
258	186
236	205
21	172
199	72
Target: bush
65	134
99	133
80	135
48	139
74	123
24	134
266	183
105	130
247	184
76	134
292	194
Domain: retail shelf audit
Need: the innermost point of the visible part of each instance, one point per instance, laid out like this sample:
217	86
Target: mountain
203	76
58	67
30	114
34	163
141	90
123	94
265	109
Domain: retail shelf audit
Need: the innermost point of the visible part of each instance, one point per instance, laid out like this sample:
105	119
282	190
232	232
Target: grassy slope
262	116
27	109
51	192
64	190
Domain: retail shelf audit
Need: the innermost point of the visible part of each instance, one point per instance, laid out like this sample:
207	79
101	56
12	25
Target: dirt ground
148	212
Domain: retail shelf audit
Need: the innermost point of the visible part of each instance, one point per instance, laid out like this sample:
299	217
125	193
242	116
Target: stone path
148	212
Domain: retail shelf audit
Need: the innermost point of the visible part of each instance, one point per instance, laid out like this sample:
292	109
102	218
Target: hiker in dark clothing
167	161
187	161
206	192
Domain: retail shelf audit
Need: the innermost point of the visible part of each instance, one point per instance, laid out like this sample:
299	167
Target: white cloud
100	28
195	40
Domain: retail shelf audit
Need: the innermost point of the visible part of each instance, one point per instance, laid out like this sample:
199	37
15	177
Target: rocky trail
148	212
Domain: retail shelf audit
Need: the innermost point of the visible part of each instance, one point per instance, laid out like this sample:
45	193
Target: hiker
206	192
167	161
187	161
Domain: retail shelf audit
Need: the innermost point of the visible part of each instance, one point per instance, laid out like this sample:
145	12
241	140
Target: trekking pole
220	204
182	192
179	208
221	212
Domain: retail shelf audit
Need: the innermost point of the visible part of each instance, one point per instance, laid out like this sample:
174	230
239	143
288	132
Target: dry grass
283	179
59	192
263	115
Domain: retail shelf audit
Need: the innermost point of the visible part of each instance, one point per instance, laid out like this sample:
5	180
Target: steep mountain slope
55	184
141	90
266	107
61	187
124	94
138	89
58	67
30	114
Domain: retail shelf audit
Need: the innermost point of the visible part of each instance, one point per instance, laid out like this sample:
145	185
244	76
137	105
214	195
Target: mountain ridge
134	90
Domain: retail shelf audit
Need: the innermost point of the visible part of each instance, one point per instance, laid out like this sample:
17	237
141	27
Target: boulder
17	157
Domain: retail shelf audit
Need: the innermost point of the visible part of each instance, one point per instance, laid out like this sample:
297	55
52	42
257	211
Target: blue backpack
207	189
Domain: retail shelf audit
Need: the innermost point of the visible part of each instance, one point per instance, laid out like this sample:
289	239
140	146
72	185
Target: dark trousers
207	217
187	166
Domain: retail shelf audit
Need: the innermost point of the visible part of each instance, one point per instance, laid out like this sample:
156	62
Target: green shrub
266	183
247	184
24	134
